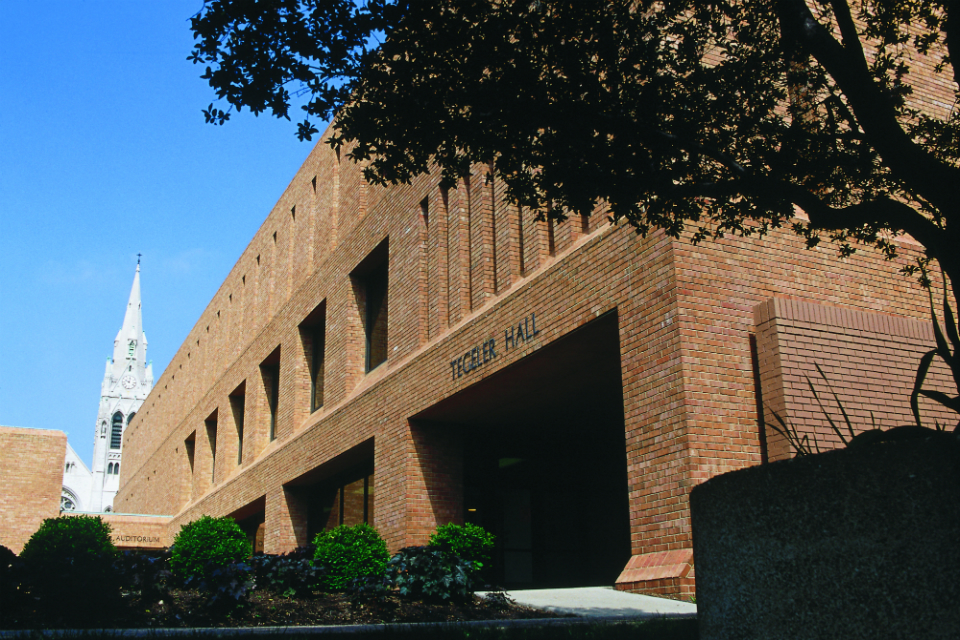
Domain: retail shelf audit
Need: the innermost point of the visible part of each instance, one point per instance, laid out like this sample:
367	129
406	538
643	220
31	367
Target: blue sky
104	154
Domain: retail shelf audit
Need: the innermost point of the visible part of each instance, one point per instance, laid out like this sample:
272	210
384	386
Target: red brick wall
31	466
870	361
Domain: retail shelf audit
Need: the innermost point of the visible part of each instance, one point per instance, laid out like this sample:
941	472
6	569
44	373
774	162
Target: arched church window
130	418
67	501
109	468
116	469
132	348
103	428
117	432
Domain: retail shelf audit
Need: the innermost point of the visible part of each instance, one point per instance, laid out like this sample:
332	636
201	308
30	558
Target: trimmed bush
68	565
470	542
431	573
350	553
205	545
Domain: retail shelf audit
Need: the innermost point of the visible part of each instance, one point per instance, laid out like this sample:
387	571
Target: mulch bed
190	608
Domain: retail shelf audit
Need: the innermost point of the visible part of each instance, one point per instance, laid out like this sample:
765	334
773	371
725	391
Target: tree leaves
715	117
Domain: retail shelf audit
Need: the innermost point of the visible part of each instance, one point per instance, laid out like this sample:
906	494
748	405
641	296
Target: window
346	499
370	286
67	501
130	418
110	469
270	373
313	335
132	349
190	446
211	425
116	433
237	402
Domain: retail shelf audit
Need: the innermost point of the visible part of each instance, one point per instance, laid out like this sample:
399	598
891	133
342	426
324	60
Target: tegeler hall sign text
513	336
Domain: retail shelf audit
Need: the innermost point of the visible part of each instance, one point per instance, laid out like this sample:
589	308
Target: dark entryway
544	461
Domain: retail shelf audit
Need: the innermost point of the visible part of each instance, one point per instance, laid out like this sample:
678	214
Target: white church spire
130	345
126	383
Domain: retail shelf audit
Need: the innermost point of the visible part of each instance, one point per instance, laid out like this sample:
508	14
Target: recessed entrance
544	461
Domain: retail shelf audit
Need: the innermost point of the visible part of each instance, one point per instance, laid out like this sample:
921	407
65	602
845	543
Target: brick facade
467	273
31	466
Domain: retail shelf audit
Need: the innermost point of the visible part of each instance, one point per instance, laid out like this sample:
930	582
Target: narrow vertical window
190	446
313	336
371	285
116	432
270	373
237	405
211	425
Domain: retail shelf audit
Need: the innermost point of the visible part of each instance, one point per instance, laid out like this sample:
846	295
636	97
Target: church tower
126	382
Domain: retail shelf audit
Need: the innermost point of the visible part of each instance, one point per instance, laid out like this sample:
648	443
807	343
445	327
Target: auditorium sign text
513	337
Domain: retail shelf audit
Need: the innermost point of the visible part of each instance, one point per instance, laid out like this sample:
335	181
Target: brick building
410	356
31	468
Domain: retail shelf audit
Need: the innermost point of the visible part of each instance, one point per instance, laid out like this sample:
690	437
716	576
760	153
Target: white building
126	382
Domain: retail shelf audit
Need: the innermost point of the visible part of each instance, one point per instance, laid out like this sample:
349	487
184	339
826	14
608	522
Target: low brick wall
139	532
851	543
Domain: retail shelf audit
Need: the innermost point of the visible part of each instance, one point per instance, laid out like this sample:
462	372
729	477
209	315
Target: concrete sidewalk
602	602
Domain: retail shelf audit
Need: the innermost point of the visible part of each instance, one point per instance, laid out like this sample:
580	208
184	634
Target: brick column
286	521
434	481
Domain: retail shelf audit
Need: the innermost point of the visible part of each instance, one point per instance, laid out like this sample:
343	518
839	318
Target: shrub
8	581
68	565
431	573
287	574
348	553
205	545
145	571
470	542
225	585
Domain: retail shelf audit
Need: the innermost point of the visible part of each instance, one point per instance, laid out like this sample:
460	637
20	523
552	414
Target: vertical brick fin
458	260
543	240
491	235
481	240
521	243
423	288
467	261
507	240
531	242
443	260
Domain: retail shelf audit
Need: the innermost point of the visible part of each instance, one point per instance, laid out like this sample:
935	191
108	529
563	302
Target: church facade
415	355
127	381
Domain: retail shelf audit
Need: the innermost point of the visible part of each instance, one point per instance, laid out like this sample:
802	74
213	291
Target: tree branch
848	30
884	211
934	180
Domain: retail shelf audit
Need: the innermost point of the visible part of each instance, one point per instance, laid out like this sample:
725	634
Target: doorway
544	461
